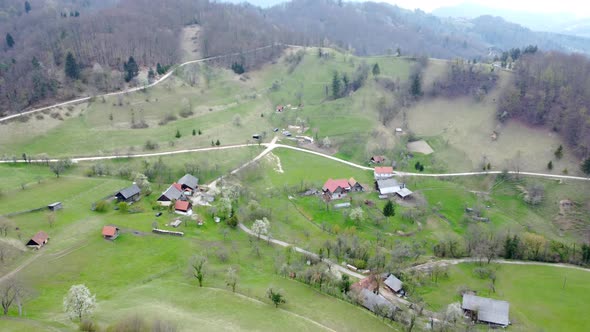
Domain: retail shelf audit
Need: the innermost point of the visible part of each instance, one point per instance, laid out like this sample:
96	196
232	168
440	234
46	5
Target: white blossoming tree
261	227
79	302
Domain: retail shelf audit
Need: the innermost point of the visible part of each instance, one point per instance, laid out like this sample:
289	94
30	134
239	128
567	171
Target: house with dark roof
383	172
377	159
183	207
355	186
110	232
486	310
174	192
130	194
38	240
188	182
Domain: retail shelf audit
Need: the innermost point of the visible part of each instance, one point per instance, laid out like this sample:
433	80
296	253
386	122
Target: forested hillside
101	36
551	89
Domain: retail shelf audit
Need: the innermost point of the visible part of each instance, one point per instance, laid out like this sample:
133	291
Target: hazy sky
576	7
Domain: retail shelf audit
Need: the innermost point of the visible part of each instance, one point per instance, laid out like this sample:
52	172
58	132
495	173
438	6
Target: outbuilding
130	194
55	206
110	232
38	240
486	310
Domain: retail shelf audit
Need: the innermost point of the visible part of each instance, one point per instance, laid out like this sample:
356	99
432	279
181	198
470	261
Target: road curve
160	80
333	265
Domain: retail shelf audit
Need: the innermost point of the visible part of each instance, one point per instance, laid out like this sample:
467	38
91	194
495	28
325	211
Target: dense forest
551	89
58	49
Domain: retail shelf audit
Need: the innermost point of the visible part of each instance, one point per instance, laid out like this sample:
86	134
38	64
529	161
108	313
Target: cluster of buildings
384	182
179	193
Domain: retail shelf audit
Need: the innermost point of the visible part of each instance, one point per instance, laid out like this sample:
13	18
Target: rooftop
384	170
488	310
109	230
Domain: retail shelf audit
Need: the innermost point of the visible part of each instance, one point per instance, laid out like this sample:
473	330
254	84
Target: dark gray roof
394	283
372	300
130	191
189	181
488	310
172	193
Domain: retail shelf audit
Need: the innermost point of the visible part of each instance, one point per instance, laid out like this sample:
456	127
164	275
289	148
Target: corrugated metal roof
189	181
394	283
488	310
130	191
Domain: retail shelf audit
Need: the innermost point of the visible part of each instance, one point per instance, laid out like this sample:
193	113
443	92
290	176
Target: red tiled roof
182	205
109	231
40	237
331	185
177	186
384	170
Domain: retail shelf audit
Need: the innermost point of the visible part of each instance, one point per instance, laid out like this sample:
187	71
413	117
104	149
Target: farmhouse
129	194
486	310
377	159
110	232
38	240
188	182
393	283
55	206
174	192
183	207
336	189
383	172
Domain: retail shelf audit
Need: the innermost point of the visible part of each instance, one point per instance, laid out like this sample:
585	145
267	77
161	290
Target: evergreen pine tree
72	68
586	166
217	143
159	69
416	88
389	209
177	134
336	86
131	69
151	74
194	132
550	165
27	7
376	70
9	40
559	152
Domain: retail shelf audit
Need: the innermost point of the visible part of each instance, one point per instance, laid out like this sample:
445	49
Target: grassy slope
538	300
147	274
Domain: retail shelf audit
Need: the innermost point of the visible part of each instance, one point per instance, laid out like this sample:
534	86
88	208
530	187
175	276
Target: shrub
123	207
185	113
88	326
101	206
151	145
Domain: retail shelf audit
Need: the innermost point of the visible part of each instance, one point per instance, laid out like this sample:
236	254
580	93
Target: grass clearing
540	297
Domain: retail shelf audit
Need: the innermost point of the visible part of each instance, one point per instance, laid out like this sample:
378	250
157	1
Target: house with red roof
38	240
183	207
336	189
383	172
110	232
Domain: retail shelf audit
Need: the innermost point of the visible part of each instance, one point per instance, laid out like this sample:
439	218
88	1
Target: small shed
176	223
129	194
38	240
355	185
183	207
342	205
393	283
404	193
110	232
55	206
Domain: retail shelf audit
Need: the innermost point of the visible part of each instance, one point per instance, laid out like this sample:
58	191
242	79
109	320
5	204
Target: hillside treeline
463	78
551	89
101	36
